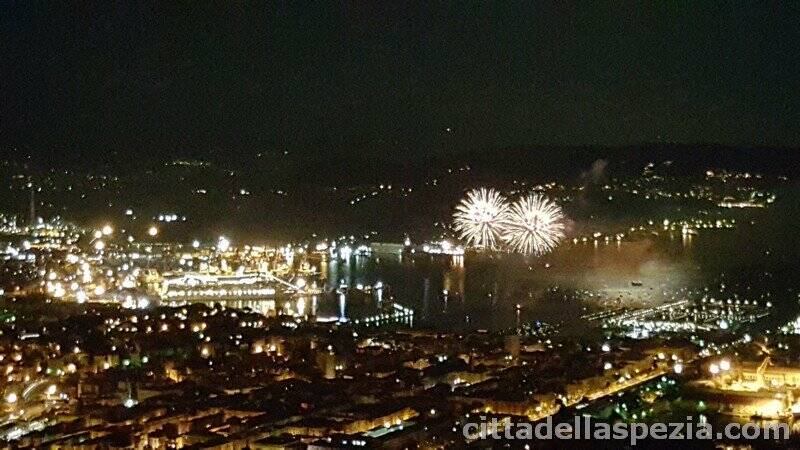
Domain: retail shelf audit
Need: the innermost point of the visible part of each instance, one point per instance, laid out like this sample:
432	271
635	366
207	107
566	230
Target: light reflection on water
500	291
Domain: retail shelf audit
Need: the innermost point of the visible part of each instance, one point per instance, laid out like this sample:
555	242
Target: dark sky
391	78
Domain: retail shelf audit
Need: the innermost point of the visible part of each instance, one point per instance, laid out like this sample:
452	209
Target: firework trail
534	225
480	217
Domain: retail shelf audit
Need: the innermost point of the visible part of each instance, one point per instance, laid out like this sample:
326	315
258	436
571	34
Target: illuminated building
766	376
201	286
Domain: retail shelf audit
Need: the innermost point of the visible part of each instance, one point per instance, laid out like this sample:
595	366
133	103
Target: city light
223	244
338	226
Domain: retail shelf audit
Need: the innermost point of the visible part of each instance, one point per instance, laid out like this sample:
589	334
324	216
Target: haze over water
501	291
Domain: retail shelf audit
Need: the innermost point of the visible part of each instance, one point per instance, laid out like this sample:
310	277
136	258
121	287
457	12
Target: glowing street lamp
223	244
152	231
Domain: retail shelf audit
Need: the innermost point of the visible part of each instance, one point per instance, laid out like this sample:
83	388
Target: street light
223	244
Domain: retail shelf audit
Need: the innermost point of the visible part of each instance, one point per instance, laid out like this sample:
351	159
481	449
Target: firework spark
479	218
534	225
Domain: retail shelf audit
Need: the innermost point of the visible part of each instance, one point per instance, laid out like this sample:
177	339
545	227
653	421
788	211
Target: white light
725	364
605	348
99	245
480	217
678	368
130	403
534	225
152	231
51	390
196	243
11	397
714	369
107	230
223	244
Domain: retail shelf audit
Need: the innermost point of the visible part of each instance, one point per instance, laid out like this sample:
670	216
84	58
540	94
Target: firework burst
534	225
480	217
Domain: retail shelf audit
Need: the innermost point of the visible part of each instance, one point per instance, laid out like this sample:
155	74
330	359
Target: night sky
389	78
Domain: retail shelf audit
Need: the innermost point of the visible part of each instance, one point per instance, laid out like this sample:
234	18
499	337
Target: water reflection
342	306
501	291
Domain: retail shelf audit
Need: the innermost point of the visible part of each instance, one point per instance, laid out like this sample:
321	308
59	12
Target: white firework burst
479	218
534	225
